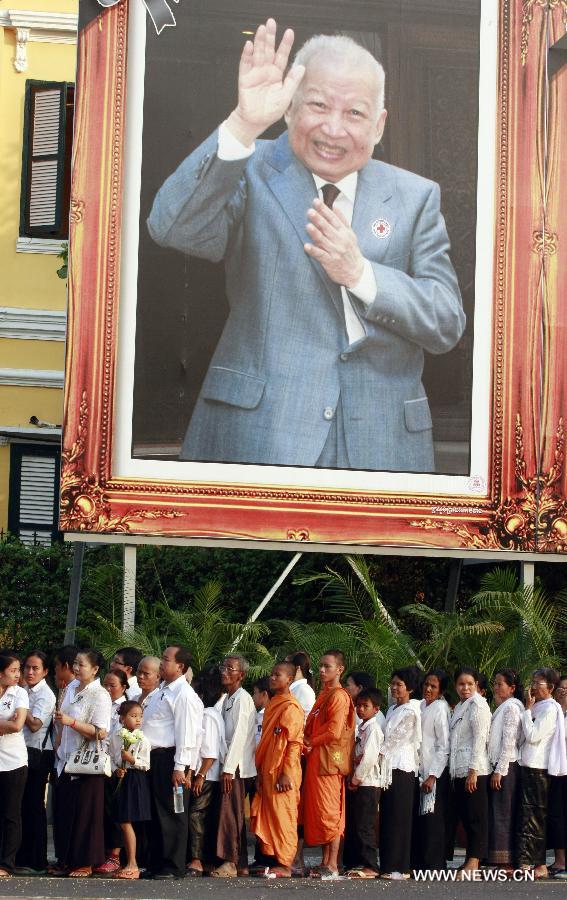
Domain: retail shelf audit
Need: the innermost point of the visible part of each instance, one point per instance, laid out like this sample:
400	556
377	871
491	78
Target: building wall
32	297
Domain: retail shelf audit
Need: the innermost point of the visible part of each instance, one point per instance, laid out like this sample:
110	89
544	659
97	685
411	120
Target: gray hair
154	660
242	661
347	51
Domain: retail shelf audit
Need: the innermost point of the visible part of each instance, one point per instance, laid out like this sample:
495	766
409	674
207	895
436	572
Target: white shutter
37	490
46	125
32	538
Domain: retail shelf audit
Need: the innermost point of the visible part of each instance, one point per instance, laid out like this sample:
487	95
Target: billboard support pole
527	574
74	593
269	595
129	588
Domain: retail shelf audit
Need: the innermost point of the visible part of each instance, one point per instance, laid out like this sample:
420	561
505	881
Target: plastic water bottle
178	798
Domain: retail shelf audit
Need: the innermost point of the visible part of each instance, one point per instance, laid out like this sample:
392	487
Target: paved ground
255	889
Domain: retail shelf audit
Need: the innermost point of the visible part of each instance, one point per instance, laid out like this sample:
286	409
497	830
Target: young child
130	756
360	850
261	698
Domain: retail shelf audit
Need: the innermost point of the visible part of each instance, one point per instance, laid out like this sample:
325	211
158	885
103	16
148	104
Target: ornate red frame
525	507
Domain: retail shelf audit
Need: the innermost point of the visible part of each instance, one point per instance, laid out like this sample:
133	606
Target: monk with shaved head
278	762
329	743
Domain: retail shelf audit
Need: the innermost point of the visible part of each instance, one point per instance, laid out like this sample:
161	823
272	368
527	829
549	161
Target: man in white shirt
172	723
127	659
337	269
239	714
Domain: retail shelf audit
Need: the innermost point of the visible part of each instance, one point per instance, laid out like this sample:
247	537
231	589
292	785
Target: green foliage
64	255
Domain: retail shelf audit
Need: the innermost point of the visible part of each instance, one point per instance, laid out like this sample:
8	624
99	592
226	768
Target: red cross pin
381	228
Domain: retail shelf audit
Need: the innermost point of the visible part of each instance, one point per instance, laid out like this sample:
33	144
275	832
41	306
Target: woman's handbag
88	760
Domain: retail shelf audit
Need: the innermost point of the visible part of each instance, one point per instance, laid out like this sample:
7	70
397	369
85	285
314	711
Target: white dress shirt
434	753
42	704
367	753
470	726
505	735
92	704
239	714
538	725
402	737
140	751
13	750
115	713
259	723
230	148
213	742
173	717
304	694
133	690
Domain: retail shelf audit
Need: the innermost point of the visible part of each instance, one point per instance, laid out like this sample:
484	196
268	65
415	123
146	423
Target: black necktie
330	193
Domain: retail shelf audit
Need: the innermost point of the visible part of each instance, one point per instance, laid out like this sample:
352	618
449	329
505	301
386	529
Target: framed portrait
222	383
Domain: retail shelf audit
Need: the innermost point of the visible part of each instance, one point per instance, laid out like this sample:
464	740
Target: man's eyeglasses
229	669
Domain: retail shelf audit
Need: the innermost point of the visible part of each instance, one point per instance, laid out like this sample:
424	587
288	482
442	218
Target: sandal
57	871
225	870
190	872
359	873
277	872
323	873
109	867
130	874
82	872
5	874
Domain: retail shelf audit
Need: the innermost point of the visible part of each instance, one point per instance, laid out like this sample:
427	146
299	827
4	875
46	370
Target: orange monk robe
329	727
273	817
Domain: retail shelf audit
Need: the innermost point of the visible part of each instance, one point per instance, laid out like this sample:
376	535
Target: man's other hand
264	94
334	245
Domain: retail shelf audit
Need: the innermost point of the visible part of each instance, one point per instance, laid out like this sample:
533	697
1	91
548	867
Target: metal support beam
557	57
74	593
455	569
527	574
129	588
269	595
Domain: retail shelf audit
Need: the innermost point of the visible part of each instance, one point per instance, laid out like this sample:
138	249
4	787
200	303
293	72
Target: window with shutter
46	159
34	490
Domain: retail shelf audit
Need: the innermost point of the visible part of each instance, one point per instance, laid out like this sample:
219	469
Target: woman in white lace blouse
542	754
431	850
469	765
503	755
399	759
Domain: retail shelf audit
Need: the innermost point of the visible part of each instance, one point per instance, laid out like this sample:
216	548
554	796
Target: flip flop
276	872
324	873
82	872
5	874
190	872
225	870
129	874
359	873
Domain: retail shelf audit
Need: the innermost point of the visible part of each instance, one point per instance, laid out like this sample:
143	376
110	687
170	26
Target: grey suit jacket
283	362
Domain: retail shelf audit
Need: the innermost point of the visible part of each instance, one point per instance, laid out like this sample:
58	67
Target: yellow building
37	72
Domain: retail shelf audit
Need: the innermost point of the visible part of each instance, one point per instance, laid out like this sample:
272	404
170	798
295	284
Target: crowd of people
153	770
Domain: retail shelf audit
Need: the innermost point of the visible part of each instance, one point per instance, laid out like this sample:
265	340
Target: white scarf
496	726
557	752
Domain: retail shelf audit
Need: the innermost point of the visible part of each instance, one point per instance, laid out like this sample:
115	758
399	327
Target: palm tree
532	621
368	635
201	626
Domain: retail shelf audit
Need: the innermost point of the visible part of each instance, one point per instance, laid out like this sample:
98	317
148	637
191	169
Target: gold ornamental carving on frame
535	520
528	7
85	505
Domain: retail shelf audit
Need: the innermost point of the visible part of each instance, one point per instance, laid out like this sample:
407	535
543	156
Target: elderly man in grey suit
337	269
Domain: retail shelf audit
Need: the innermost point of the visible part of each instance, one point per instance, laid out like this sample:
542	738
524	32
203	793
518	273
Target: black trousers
33	849
472	811
203	823
169	829
360	845
12	785
431	829
80	804
557	813
532	817
397	806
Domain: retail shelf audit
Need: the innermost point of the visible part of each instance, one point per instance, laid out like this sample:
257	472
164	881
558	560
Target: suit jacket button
344	356
328	412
